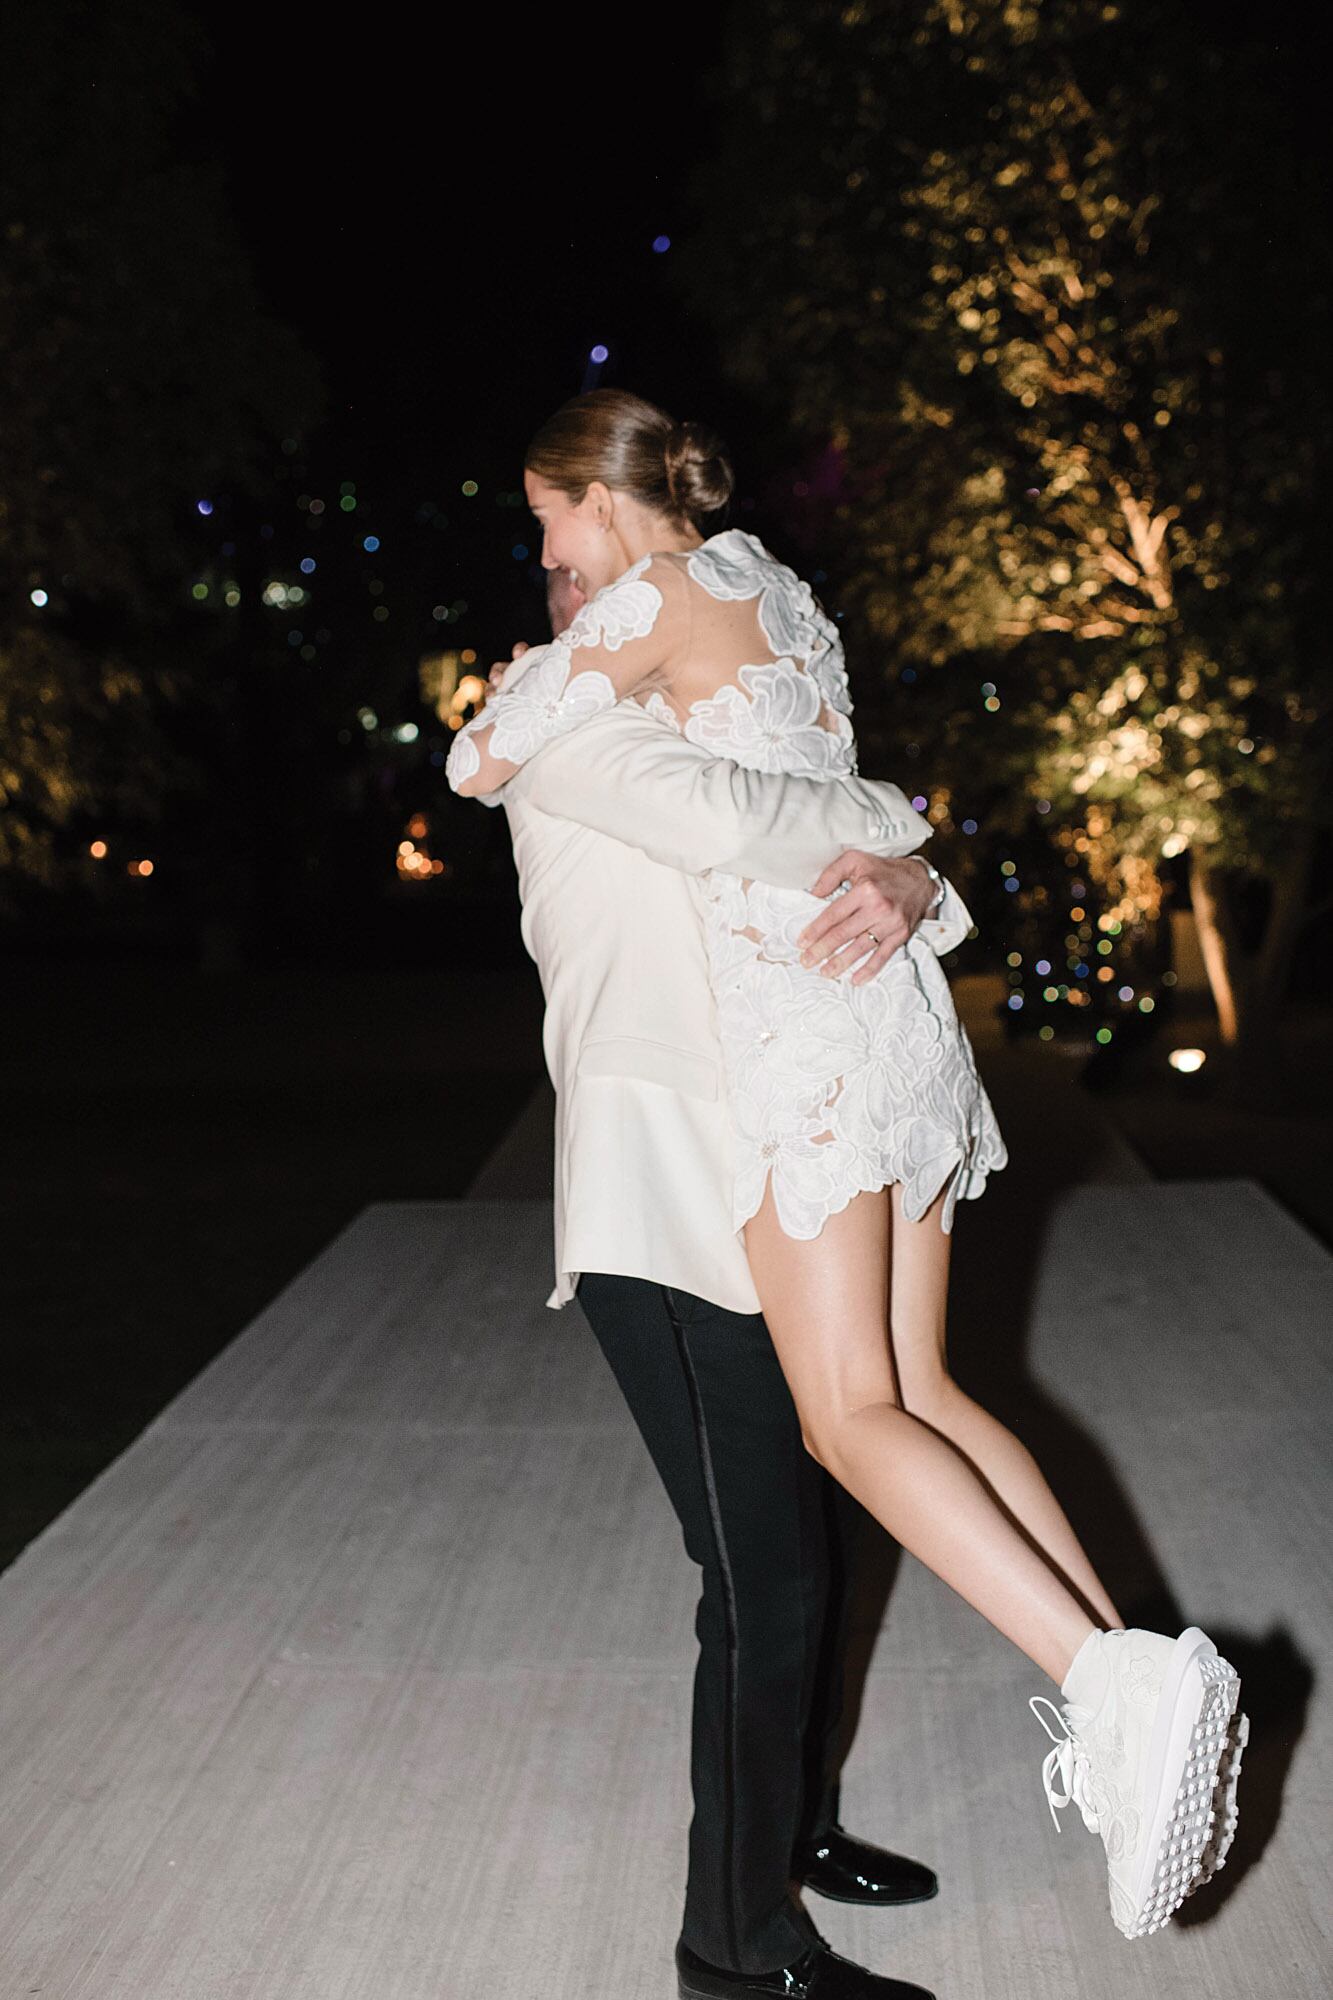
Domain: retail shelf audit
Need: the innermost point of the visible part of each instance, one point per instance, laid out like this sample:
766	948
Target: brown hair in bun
632	446
699	474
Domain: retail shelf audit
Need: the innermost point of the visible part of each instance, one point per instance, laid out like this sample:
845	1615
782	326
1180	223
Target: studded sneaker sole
1225	1811
1190	1738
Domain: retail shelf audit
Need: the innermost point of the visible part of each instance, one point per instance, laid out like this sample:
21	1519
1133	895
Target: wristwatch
935	877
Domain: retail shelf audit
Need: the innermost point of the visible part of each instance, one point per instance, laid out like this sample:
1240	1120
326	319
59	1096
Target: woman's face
571	537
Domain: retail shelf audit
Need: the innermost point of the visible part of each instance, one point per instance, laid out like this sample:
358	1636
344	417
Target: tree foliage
1050	275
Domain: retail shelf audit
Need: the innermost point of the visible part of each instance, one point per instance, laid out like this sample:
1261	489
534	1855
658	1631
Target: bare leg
918	1301
826	1304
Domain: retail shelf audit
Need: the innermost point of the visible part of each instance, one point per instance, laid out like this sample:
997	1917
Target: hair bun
699	475
680	472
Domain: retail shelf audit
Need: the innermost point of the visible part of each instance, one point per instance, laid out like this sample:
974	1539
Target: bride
859	1120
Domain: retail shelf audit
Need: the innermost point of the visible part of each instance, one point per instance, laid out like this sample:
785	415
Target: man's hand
501	667
889	895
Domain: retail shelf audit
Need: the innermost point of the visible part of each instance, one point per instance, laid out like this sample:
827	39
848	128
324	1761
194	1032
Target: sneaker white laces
1068	1762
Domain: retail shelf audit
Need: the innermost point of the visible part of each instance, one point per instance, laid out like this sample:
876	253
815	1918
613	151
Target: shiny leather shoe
818	1974
848	1870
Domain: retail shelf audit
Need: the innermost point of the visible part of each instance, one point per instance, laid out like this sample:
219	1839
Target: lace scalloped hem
964	1172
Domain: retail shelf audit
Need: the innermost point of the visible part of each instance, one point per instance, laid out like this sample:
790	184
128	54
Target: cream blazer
612	824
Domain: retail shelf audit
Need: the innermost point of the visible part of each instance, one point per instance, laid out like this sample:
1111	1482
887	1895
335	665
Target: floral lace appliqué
735	565
833	1088
657	705
550	698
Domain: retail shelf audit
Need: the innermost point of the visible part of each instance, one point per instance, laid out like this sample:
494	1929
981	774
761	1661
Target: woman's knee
825	1432
935	1398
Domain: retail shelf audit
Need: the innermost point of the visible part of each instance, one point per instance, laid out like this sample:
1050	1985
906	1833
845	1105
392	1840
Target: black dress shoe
819	1974
848	1870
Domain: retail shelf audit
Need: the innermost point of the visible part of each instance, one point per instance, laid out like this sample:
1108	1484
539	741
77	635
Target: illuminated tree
975	245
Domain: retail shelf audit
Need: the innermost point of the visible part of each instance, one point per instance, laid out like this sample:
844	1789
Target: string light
413	860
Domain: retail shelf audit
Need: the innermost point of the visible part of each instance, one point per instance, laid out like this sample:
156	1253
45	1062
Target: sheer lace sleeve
620	640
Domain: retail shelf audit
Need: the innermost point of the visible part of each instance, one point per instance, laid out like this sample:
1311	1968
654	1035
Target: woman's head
610	476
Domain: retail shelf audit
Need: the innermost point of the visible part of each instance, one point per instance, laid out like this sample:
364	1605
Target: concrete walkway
364	1674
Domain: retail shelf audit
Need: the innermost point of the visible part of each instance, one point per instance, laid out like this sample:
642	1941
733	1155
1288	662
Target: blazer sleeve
627	776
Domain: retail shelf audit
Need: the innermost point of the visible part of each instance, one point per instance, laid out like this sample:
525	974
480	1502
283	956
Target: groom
612	826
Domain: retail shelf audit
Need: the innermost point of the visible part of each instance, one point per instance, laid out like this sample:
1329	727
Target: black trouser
771	1532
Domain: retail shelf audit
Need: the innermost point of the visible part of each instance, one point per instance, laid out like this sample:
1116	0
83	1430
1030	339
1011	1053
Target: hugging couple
766	1113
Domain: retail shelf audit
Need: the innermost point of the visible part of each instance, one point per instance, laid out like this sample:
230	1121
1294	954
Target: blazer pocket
650	1062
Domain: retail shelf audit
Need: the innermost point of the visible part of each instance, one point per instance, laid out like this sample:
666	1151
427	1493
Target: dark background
209	1072
454	218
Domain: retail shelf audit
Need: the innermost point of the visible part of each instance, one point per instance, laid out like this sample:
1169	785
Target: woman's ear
599	503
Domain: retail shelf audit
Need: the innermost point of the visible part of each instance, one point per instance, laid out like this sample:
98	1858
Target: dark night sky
453	222
453	219
453	215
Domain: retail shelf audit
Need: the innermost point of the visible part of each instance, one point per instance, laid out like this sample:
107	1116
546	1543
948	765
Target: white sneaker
1144	1729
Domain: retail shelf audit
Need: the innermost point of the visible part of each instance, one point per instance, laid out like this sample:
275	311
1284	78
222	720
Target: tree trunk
1249	989
1219	944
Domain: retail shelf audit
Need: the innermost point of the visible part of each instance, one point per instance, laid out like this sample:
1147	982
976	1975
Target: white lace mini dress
833	1088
